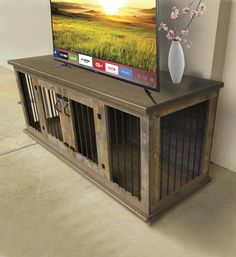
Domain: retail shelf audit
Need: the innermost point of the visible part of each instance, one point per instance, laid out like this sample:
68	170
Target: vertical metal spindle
78	132
203	110
162	156
27	98
176	151
131	154
34	101
190	142
111	141
117	146
44	104
196	140
90	135
123	144
80	126
51	110
57	119
169	148
31	100
93	134
139	159
84	130
54	115
183	149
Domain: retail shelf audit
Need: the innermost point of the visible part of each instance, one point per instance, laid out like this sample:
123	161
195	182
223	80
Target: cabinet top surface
113	90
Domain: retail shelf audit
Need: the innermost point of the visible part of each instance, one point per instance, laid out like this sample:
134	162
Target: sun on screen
112	7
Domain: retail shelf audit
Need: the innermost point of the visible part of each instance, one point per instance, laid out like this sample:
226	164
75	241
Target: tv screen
115	37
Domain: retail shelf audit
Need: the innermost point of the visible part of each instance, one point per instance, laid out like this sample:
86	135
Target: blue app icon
56	53
126	73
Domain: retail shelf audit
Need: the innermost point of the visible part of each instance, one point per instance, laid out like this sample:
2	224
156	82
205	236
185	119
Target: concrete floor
49	210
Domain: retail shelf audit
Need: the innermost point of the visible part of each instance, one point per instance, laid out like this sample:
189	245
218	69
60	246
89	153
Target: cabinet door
29	98
52	106
84	131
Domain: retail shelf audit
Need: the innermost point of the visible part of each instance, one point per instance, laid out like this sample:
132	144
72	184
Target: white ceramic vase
176	61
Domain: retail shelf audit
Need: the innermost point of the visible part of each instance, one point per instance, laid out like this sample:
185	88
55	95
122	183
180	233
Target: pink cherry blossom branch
177	16
193	17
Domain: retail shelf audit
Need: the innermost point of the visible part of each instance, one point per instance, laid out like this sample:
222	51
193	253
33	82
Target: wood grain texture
145	163
39	103
209	131
19	86
102	139
154	166
98	92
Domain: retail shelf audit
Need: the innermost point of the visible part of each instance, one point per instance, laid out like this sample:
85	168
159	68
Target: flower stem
189	24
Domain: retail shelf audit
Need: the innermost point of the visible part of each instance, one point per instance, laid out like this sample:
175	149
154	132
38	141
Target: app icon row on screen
135	75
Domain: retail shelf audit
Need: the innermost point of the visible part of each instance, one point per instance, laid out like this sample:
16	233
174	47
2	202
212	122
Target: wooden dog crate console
147	151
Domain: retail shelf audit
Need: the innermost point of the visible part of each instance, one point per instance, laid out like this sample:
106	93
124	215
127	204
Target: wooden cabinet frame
150	117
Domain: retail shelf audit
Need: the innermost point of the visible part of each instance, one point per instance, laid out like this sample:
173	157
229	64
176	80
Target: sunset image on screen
121	31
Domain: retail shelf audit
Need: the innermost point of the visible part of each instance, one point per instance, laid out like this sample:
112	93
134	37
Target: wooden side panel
18	82
210	124
174	107
145	164
100	120
154	166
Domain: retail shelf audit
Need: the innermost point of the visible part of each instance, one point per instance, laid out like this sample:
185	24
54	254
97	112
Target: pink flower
189	44
199	11
186	10
184	33
170	35
201	8
175	13
163	26
195	8
193	14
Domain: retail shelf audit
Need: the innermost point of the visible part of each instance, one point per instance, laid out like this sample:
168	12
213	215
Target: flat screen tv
117	38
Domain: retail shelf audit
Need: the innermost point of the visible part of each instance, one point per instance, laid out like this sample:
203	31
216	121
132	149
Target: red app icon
99	64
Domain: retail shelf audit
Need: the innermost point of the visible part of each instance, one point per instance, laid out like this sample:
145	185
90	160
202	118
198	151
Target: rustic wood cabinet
146	150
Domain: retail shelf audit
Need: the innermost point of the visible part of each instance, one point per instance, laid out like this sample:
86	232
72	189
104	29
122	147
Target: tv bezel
157	89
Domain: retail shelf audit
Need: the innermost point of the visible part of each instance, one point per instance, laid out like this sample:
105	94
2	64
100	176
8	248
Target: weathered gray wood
18	82
183	104
39	103
78	97
209	131
102	139
154	166
71	127
110	90
98	92
65	121
145	163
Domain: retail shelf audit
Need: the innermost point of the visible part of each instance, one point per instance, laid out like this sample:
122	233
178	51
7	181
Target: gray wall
202	33
224	145
25	31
